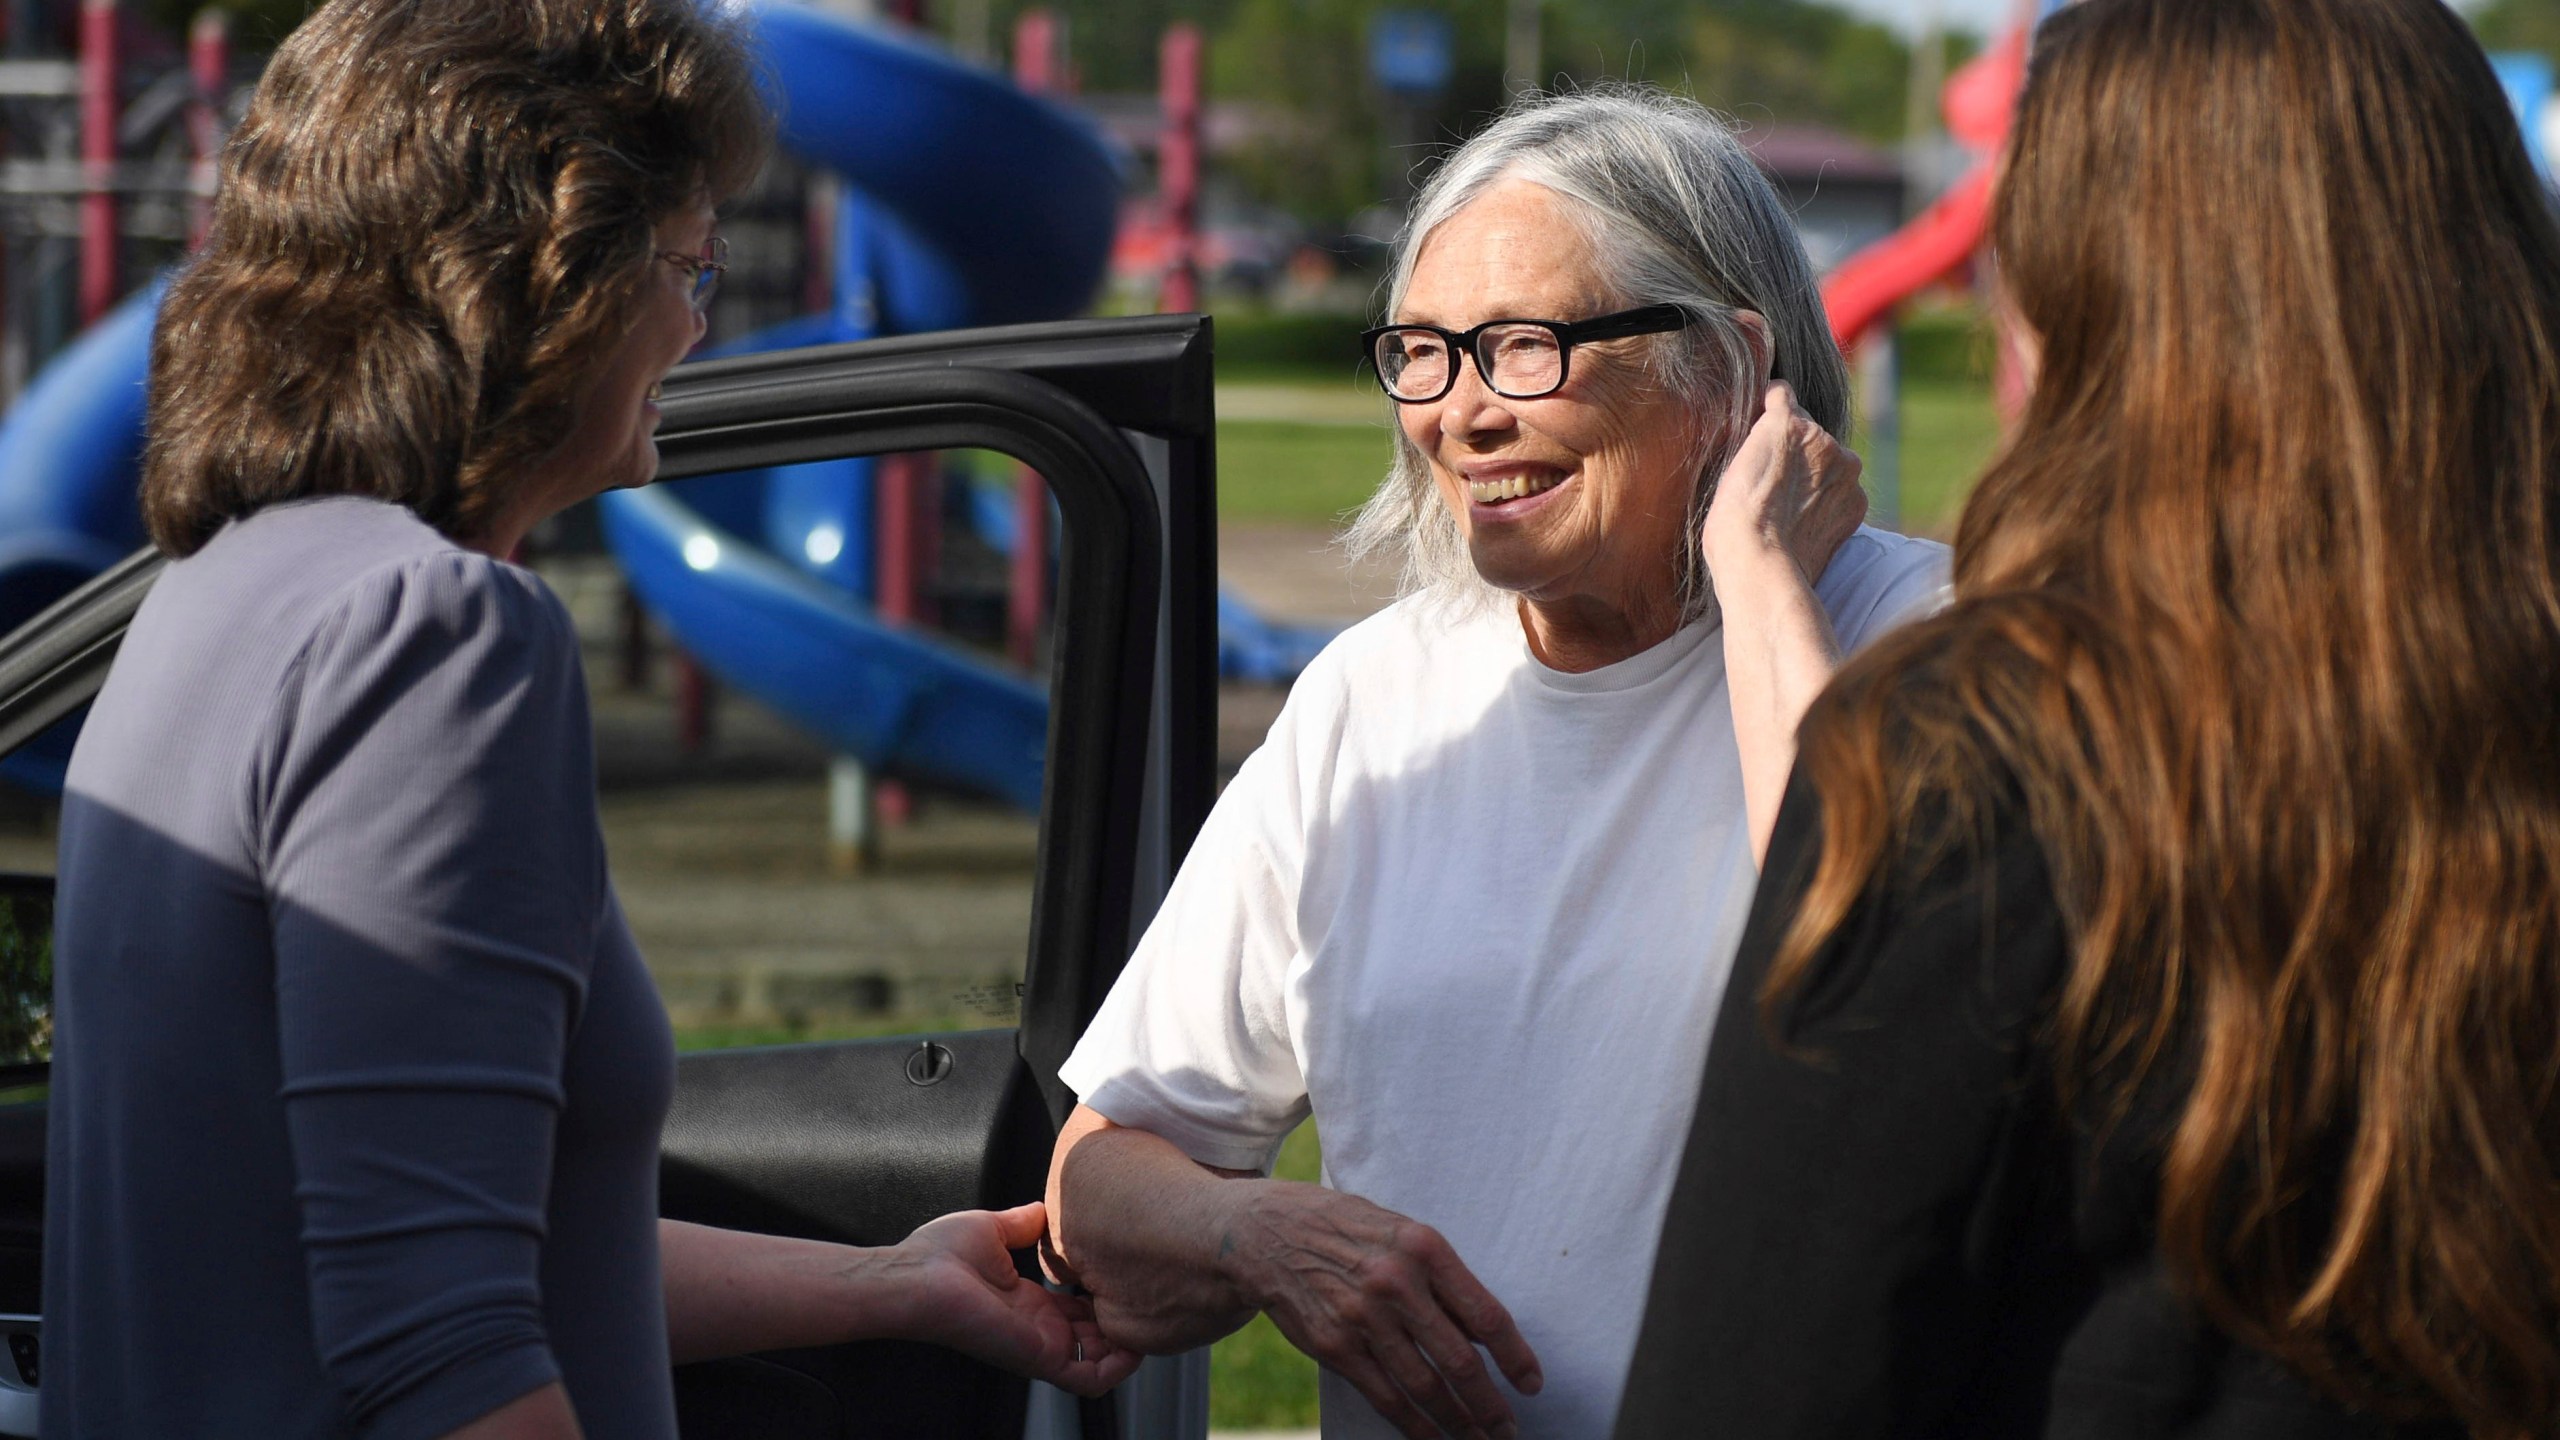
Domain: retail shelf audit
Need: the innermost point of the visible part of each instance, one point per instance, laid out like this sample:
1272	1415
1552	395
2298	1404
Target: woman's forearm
730	1292
954	1282
543	1415
1146	1229
1778	654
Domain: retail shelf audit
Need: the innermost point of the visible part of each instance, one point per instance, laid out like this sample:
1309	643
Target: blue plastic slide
968	202
972	204
69	455
817	655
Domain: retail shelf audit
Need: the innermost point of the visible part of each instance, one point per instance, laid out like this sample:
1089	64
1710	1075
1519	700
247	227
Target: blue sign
1410	51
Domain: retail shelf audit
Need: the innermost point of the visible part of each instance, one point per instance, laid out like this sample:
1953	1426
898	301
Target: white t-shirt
1476	914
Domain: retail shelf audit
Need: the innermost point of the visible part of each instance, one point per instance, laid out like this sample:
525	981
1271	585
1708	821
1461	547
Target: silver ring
1079	1352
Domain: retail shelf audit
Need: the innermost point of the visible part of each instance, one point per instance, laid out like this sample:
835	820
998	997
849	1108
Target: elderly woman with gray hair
1472	903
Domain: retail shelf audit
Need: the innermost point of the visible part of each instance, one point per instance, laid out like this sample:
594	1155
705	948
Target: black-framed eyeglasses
1518	359
705	268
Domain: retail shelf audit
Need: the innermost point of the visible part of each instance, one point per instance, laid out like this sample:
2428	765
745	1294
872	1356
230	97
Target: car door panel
858	1142
21	1204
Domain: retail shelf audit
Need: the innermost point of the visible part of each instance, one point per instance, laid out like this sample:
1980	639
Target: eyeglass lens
1519	361
706	276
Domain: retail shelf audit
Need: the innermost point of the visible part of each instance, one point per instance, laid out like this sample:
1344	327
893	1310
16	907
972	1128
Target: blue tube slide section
968	202
69	455
816	655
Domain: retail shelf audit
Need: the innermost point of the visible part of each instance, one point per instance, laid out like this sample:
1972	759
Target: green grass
1266	342
1257	1379
1949	431
1277	470
1315	474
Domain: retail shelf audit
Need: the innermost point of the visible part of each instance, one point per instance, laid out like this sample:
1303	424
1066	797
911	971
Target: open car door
856	1141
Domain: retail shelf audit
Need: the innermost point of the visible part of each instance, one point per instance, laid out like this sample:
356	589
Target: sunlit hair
431	226
2258	611
1675	212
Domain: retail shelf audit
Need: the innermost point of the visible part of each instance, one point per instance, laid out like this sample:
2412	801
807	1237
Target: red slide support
1936	244
1941	240
100	104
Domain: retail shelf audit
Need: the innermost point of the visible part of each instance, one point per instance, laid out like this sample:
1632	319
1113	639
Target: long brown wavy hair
2258	611
431	224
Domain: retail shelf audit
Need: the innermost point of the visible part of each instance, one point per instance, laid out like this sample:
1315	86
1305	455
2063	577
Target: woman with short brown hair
359	1077
2146	1022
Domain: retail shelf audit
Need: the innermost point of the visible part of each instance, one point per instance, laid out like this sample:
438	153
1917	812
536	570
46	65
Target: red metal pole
697	695
99	103
1038	68
894	508
1178	166
906	515
1036	34
209	60
1027	593
818	233
633	624
893	582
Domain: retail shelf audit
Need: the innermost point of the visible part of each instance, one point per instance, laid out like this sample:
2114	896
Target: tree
1797	61
2519	25
1309	59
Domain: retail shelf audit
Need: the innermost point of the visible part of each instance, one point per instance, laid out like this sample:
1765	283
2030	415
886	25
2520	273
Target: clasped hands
960	1277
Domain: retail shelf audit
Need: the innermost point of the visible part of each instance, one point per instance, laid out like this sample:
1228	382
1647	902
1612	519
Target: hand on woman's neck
1581	633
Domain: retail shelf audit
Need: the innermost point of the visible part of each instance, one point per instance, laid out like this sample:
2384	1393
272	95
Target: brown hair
431	221
2259	611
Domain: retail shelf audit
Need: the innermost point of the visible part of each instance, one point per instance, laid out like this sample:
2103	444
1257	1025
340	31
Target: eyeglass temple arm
1645	320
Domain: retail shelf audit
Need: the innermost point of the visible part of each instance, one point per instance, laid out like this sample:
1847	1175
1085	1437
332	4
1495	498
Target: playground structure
801	585
809	587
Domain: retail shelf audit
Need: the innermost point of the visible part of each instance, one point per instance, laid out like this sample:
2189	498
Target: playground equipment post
1178	166
209	62
1038	66
100	63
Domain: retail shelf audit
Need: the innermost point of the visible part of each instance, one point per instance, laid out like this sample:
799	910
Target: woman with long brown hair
2146	1023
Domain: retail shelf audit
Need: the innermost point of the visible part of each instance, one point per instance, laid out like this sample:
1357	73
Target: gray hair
1676	212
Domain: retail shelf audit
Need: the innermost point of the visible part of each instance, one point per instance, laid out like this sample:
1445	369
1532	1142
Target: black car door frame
1117	416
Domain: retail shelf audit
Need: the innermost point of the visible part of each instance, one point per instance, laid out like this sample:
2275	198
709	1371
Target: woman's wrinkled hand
1792	488
968	1296
1382	1301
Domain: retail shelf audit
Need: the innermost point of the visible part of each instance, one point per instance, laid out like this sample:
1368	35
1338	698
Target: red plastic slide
1936	244
1941	239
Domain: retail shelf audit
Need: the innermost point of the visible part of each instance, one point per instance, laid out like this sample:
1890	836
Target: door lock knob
928	1064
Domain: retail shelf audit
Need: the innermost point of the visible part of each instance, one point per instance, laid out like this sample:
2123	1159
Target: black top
1888	1228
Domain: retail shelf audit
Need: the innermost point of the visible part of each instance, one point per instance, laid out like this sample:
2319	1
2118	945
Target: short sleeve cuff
1130	1101
456	1395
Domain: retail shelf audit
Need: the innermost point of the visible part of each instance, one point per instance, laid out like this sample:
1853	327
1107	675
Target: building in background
1844	193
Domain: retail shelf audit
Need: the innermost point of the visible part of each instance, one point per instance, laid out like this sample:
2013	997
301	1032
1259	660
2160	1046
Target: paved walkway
1297	572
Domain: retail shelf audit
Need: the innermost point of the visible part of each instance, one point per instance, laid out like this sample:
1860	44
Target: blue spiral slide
967	202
